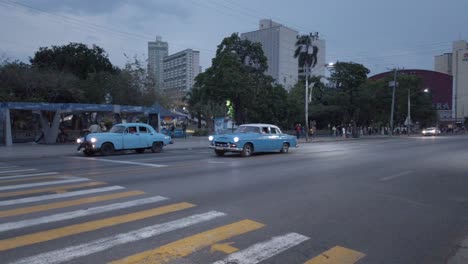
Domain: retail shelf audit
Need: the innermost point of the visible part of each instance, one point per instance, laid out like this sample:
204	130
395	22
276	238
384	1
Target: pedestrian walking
172	130
298	130
334	131
184	129
344	132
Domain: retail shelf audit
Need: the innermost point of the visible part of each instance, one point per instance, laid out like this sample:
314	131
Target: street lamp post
408	118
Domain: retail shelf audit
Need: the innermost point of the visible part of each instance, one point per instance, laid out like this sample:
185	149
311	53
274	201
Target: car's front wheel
219	153
247	150
156	147
107	149
285	148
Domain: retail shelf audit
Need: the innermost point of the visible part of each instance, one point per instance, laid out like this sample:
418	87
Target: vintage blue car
126	136
250	138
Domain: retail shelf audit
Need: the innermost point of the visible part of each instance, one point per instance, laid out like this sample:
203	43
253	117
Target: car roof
259	125
132	124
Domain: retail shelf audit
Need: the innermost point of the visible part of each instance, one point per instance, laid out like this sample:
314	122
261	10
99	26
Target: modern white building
179	72
278	43
443	63
157	50
460	79
320	67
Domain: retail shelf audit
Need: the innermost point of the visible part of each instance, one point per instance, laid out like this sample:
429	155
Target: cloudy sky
380	34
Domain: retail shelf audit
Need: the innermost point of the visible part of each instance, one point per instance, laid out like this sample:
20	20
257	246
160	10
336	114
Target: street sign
392	83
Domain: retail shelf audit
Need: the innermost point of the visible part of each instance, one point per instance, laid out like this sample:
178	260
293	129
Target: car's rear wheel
140	150
107	149
219	153
285	148
157	147
88	153
247	150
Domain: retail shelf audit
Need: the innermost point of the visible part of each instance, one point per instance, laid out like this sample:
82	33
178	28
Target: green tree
76	58
349	77
237	74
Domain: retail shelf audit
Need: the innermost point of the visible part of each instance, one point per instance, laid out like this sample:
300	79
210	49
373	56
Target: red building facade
440	85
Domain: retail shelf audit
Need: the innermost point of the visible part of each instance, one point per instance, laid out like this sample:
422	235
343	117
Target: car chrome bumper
85	146
231	149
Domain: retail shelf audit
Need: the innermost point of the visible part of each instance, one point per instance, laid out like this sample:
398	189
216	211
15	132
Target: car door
264	142
145	136
131	138
276	140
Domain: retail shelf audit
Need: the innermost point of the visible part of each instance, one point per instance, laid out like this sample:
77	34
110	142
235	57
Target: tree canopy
75	58
238	75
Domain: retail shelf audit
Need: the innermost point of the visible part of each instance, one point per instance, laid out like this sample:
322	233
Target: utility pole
306	103
409	112
393	101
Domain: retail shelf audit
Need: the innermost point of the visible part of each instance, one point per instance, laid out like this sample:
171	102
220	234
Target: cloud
147	8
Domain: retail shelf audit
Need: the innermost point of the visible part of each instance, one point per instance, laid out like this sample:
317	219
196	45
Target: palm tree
306	52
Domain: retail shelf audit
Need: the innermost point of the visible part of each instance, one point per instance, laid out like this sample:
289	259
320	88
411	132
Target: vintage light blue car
127	136
250	138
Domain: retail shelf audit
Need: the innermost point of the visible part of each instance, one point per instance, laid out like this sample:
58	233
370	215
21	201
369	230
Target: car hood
99	135
231	137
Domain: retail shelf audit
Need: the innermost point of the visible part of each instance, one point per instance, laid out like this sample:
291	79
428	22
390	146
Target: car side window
131	130
273	130
265	130
143	129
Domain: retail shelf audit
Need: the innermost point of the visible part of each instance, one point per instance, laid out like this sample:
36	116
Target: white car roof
259	125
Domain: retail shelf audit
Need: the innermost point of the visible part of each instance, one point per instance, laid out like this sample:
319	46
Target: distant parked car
431	131
250	138
126	136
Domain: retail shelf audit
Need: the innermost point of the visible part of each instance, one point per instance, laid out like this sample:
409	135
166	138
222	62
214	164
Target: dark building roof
440	85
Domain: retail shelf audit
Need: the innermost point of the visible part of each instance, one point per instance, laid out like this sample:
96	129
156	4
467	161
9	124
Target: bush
201	132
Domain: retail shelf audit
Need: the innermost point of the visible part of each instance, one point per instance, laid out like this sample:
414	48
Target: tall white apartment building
179	72
443	63
157	50
278	43
460	79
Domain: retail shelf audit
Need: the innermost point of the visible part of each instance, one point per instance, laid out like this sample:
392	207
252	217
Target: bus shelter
50	123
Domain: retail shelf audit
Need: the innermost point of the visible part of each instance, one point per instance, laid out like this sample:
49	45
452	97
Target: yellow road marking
56	233
51	189
184	247
45	207
337	255
224	247
30	178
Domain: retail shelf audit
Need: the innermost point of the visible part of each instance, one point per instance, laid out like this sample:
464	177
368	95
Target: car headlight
78	140
93	140
210	138
236	139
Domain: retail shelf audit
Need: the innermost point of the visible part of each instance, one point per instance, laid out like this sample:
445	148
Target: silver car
431	131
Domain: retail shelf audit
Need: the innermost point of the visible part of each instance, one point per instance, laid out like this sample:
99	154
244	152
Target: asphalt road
402	200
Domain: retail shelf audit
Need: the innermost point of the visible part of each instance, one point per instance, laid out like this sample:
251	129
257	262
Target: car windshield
117	129
248	129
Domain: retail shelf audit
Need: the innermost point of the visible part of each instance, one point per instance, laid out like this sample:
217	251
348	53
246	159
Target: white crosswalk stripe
28	175
21	170
59	195
70	253
7	167
29	185
79	213
264	250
